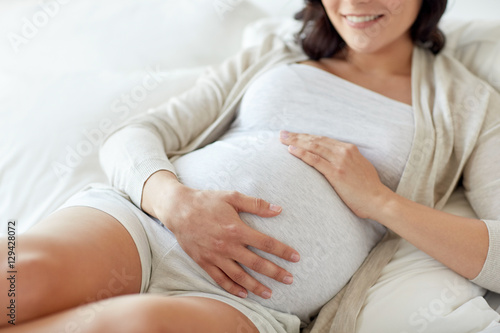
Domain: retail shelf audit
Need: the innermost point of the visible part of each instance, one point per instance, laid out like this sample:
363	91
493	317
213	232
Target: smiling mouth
362	19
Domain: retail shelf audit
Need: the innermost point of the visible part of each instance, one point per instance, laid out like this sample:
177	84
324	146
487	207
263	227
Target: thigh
189	314
91	247
144	313
76	255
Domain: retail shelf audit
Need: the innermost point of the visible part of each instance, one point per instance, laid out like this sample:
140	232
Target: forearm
459	243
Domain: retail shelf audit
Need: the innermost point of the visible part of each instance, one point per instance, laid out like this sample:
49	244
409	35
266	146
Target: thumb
257	206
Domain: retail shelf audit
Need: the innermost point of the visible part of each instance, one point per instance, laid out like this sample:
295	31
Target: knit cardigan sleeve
145	144
482	185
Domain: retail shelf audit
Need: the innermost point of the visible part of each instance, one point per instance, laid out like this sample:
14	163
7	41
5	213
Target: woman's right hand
208	228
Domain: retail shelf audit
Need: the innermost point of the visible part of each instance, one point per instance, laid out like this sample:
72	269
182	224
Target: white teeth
361	19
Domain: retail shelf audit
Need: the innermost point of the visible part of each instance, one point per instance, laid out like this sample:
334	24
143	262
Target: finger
257	206
224	281
263	266
270	245
240	277
321	145
318	148
293	138
319	163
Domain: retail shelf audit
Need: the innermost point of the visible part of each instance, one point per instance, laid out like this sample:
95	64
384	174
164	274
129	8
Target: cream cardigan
457	133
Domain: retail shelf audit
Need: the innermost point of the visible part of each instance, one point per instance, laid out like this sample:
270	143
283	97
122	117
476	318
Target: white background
462	9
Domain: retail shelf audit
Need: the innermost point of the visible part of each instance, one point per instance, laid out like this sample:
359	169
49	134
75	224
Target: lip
362	25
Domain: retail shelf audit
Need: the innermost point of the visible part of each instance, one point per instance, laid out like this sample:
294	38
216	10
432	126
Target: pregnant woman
248	202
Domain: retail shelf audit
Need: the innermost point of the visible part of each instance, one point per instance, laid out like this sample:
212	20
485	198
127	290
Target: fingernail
242	294
266	294
288	279
295	257
284	134
292	147
275	208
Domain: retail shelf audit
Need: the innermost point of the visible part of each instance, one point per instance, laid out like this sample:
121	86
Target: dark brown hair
319	39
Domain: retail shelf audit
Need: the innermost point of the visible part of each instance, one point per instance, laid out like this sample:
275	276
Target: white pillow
472	10
67	70
52	124
279	8
120	34
477	45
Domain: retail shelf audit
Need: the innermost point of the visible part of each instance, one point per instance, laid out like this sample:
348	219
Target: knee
147	317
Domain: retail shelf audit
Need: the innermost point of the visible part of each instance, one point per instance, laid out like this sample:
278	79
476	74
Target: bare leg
77	255
144	313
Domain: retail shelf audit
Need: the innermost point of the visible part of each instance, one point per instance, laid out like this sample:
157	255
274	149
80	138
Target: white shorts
166	268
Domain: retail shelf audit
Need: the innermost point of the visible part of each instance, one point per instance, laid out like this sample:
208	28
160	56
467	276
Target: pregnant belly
331	240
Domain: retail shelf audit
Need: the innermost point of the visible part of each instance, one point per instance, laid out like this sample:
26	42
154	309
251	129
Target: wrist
157	188
385	206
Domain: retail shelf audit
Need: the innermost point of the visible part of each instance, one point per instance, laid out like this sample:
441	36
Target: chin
363	47
363	44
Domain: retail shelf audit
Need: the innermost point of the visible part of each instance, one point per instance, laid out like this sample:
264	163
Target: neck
394	59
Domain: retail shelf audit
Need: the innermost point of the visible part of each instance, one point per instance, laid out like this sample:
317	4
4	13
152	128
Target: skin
207	225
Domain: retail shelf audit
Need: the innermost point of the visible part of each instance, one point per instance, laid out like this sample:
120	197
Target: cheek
331	7
408	16
329	3
404	10
333	16
396	7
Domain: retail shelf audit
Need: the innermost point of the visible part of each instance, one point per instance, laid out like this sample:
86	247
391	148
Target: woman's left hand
352	176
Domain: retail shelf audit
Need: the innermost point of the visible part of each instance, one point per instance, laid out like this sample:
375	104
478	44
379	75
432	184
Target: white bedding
70	70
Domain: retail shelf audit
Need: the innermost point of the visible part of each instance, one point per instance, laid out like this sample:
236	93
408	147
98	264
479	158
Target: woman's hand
208	227
352	176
